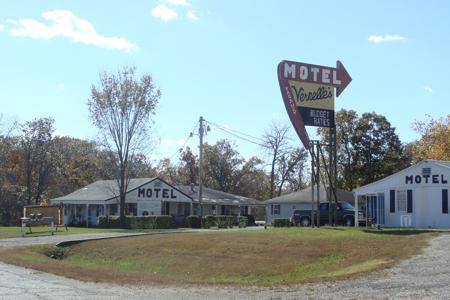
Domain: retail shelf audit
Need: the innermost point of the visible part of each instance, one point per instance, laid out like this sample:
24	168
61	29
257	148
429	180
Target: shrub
225	221
208	221
243	221
55	252
109	222
131	222
194	221
162	222
251	220
281	222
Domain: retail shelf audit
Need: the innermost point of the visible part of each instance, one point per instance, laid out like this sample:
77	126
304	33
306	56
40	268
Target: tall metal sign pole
308	93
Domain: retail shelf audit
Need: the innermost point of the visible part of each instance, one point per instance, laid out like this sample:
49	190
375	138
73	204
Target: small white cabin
285	205
414	197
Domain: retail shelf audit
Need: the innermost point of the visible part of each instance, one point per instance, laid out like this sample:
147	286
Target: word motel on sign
311	73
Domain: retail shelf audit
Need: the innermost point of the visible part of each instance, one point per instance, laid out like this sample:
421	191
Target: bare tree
121	108
275	145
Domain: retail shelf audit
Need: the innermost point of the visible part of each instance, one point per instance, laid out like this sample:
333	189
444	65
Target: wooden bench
38	220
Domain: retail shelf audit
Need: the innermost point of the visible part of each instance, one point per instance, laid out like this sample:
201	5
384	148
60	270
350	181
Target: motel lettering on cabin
414	197
148	196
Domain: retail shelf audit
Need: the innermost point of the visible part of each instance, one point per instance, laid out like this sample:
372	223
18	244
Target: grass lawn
242	257
14	231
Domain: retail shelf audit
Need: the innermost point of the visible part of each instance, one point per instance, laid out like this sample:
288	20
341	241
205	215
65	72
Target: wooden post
87	215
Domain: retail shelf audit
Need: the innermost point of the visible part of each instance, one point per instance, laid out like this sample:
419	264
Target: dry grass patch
262	257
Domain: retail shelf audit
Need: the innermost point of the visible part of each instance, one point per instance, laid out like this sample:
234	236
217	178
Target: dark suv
345	214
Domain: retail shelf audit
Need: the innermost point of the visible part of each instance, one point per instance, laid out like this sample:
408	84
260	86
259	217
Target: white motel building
414	197
148	196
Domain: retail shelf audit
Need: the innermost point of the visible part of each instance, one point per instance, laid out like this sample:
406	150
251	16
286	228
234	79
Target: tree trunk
122	193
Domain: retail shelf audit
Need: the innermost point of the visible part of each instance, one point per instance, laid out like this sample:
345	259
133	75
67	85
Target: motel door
375	209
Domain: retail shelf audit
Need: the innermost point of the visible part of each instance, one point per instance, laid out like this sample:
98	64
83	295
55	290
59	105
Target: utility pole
200	166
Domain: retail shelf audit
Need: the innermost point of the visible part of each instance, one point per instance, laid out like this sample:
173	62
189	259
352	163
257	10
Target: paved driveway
424	276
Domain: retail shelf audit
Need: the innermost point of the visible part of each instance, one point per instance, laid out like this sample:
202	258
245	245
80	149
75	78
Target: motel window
392	201
409	197
113	209
401	201
275	209
445	201
179	208
131	209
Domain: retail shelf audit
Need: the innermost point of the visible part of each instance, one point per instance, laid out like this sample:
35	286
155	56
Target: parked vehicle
345	215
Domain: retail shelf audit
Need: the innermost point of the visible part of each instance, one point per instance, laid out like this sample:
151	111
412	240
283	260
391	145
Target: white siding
426	196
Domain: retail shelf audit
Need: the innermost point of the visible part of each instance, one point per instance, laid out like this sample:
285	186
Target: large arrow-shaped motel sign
308	93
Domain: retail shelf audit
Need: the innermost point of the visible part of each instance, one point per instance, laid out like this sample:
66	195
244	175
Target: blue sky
218	59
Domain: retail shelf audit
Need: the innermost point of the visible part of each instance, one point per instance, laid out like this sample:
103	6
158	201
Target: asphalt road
426	276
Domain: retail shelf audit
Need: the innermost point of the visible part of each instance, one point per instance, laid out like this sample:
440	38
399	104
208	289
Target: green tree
12	194
434	142
221	164
368	148
121	107
188	167
37	143
251	180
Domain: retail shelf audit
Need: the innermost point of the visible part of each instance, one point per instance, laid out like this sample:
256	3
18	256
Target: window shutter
445	201
271	209
392	201
410	202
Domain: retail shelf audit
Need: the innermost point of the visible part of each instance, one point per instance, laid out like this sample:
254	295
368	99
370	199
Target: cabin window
445	201
131	209
275	209
113	209
401	201
392	201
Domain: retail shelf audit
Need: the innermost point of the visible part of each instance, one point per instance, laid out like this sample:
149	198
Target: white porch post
87	215
356	211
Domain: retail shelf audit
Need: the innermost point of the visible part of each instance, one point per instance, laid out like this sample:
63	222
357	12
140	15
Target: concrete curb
78	241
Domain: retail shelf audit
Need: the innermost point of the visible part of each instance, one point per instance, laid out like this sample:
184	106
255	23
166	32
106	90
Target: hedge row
220	221
281	222
131	222
165	222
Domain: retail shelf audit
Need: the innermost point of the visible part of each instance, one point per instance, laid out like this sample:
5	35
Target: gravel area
426	276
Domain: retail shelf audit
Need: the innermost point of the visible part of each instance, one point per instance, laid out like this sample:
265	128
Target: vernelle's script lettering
322	93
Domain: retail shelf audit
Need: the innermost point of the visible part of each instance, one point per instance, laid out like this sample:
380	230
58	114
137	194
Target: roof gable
428	163
102	190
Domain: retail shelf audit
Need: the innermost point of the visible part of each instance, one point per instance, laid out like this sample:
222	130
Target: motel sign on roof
308	94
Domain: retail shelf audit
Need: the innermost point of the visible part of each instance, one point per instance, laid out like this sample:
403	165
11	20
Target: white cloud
164	13
191	15
428	89
63	23
167	141
385	38
2	27
60	87
59	133
176	2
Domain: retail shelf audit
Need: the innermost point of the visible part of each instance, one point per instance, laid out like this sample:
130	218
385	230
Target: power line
236	131
239	135
185	141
